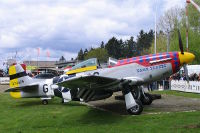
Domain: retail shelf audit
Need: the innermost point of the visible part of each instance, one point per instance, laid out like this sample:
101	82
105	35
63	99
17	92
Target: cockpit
87	63
90	64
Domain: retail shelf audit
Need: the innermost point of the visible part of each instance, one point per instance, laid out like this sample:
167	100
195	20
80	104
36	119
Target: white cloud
8	41
65	26
173	3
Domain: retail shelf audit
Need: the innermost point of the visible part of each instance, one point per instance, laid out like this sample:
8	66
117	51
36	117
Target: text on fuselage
151	68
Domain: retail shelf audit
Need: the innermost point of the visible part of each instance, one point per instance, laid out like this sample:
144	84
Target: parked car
44	76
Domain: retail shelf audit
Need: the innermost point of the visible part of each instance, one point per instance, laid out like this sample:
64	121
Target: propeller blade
186	72
180	42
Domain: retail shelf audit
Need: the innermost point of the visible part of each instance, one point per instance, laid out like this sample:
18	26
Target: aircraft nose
186	57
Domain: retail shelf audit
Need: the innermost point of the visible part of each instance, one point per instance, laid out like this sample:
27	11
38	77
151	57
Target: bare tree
169	21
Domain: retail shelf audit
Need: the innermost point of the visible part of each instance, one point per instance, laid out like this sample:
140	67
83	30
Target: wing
27	88
89	82
90	87
96	82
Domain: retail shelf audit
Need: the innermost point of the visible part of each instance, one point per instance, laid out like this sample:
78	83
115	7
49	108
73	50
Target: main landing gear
138	93
133	106
135	98
146	98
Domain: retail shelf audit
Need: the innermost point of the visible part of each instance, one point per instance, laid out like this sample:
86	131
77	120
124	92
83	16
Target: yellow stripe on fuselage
15	94
89	68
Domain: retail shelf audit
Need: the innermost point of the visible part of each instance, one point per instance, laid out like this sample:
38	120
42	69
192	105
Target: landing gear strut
133	106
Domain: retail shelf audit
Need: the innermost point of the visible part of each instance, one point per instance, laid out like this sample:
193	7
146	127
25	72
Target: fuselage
148	67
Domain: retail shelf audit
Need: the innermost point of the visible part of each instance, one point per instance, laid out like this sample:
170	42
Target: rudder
18	76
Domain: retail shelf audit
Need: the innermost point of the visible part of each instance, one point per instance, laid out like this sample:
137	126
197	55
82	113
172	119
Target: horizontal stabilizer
27	88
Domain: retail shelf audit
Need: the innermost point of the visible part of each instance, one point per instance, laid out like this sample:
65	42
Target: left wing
91	87
96	82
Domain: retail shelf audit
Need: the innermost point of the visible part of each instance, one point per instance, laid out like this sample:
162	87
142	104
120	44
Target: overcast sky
62	27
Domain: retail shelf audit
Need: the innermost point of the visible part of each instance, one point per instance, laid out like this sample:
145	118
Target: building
40	64
55	67
41	67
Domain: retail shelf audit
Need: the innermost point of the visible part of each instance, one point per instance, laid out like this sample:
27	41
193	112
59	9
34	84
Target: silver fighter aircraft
90	81
127	75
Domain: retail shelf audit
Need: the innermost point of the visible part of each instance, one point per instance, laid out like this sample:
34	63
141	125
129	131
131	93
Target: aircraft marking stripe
14	83
15	94
88	68
146	59
18	75
12	70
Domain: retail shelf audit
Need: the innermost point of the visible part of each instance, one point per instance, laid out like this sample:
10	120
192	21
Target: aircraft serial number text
152	68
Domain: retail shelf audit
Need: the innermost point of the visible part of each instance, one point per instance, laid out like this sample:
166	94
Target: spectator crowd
179	76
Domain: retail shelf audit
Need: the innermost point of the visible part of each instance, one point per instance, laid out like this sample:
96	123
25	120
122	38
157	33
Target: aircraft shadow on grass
116	107
38	102
95	116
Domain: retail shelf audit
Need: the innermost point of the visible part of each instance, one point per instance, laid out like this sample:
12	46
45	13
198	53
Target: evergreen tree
131	47
85	52
144	41
80	55
114	47
102	45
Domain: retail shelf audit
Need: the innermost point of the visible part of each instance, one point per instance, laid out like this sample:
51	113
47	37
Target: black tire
137	109
156	96
44	102
147	100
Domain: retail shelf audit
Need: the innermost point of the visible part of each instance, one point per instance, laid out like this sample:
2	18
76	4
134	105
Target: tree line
118	48
168	25
167	38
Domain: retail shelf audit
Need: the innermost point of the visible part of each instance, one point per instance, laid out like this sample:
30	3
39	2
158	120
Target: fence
4	80
181	85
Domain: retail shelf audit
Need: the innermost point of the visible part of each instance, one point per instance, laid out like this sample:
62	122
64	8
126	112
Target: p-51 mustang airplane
89	81
23	86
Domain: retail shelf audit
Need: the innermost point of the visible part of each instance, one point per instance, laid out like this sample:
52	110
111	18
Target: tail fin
18	76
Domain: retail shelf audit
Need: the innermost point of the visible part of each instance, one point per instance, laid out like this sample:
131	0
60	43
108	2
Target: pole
155	28
155	36
168	40
187	26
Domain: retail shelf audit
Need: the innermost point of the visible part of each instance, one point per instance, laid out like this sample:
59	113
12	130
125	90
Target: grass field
28	115
178	93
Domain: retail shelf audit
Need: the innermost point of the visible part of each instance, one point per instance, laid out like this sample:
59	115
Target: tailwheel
136	109
146	99
44	102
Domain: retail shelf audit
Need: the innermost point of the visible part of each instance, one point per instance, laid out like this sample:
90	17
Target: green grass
28	115
177	93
